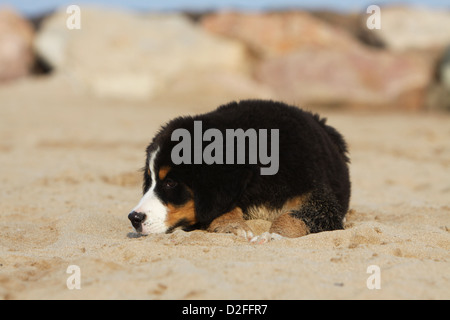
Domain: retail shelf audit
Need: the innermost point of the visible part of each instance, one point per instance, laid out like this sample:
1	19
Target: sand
70	175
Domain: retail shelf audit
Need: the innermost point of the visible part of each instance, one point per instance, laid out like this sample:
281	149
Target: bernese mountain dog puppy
253	159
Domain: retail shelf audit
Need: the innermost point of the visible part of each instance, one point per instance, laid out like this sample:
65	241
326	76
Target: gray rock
126	55
407	28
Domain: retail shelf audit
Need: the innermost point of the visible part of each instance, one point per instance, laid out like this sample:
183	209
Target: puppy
252	159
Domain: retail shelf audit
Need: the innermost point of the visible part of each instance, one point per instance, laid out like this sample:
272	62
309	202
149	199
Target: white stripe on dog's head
151	205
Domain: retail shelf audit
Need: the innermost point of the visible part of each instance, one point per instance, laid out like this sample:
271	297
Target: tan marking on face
184	212
163	171
288	226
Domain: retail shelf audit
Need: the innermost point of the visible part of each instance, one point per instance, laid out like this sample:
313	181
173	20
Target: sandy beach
70	175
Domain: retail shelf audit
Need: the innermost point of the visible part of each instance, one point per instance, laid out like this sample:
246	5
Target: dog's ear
218	189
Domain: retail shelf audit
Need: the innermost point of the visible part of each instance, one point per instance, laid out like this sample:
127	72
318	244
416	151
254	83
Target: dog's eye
169	184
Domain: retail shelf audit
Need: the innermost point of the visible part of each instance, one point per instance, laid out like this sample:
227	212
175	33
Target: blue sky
32	7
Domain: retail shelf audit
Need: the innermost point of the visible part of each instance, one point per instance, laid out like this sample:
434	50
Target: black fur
312	160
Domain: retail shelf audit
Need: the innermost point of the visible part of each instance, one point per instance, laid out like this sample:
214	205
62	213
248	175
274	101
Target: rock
125	55
406	28
360	77
277	33
354	23
16	37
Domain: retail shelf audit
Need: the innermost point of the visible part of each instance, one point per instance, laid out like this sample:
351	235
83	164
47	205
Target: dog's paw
231	222
238	228
246	234
266	237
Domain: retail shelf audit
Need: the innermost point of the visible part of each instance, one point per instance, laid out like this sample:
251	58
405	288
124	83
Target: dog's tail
335	136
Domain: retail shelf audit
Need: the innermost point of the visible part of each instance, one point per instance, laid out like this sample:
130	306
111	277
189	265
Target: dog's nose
136	219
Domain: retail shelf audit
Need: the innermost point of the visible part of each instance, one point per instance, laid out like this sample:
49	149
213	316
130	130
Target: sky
36	7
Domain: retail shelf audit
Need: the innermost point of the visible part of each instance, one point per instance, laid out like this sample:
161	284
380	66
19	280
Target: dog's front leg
231	222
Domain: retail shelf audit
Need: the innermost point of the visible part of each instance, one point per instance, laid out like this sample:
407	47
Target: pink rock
16	37
359	76
271	34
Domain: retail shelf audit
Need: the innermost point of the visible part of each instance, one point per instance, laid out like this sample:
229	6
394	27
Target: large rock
406	28
118	54
16	38
359	77
315	60
354	23
277	33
